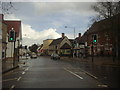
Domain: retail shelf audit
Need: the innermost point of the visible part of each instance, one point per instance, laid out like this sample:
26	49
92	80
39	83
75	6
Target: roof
105	24
66	46
71	40
56	41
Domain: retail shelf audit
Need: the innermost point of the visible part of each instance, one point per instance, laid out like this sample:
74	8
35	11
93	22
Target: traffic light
94	38
11	36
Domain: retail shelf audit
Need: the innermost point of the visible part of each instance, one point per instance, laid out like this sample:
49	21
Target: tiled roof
105	24
56	41
66	46
71	40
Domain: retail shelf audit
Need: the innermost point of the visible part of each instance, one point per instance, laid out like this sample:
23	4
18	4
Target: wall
0	55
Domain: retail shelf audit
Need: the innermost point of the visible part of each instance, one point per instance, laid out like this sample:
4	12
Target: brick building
7	25
16	25
108	35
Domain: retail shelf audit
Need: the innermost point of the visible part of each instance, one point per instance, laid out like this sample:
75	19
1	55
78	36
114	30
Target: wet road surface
109	75
46	73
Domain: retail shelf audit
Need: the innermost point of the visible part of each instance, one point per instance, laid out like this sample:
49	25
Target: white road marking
102	86
73	73
23	72
89	74
26	69
12	87
18	78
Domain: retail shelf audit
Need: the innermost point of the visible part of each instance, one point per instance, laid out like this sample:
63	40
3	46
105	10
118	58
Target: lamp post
74	37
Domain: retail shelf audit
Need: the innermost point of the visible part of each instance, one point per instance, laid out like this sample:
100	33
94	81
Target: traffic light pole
12	39
14	55
92	49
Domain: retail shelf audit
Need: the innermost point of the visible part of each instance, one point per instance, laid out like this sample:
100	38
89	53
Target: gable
66	46
65	40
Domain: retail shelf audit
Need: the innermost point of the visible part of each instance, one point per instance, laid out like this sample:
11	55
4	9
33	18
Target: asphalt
102	68
43	72
7	65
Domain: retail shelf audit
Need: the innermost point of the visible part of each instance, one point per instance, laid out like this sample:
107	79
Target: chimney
79	34
63	35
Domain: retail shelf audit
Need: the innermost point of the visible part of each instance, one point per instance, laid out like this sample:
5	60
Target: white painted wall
10	48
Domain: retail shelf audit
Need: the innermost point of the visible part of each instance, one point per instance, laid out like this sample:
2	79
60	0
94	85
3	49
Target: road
46	73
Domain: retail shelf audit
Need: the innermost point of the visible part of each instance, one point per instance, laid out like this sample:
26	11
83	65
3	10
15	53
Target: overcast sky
47	20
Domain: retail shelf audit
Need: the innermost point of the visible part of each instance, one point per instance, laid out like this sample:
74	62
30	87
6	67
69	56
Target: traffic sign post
12	39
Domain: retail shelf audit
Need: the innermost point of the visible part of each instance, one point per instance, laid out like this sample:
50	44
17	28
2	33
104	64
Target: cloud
31	36
47	20
81	8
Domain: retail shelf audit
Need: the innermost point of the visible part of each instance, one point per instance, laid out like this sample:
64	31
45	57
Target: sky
47	20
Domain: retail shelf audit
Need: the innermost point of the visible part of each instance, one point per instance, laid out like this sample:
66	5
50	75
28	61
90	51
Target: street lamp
74	37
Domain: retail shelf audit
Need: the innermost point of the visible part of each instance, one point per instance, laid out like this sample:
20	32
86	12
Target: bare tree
6	7
106	9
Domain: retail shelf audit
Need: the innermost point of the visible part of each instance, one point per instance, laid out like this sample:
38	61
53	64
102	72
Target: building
4	37
16	25
45	47
80	45
8	47
4	40
61	46
107	36
40	50
0	39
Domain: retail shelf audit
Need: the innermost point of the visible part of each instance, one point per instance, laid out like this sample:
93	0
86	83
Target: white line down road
73	73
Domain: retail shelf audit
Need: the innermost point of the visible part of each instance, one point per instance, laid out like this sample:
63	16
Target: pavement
8	64
102	61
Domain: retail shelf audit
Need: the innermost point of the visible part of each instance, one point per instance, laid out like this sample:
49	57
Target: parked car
33	55
55	56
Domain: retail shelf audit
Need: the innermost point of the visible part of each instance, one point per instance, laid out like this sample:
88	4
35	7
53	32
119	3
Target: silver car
55	56
33	55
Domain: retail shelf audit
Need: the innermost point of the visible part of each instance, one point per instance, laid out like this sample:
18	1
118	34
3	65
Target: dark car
55	56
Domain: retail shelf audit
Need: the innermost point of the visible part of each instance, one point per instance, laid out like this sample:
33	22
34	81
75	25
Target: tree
33	48
106	9
6	7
